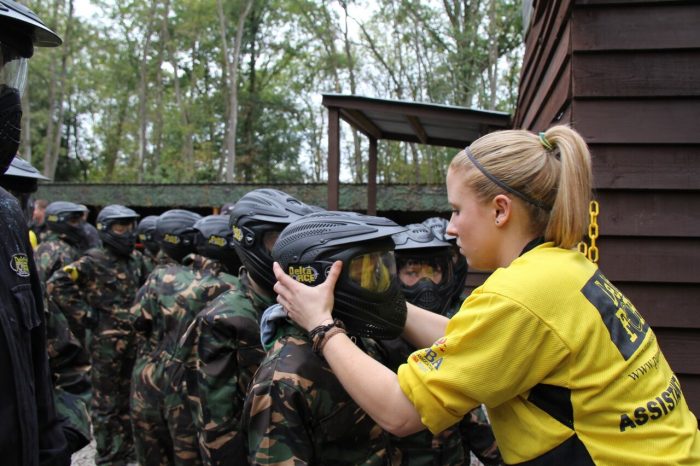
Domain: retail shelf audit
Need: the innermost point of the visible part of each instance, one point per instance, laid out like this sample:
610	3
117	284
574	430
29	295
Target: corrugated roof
397	120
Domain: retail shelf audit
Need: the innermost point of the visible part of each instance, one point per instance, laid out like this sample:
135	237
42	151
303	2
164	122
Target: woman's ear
502	209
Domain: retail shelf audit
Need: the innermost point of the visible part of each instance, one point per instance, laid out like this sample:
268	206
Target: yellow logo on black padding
170	238
219	241
237	234
303	273
20	264
52	218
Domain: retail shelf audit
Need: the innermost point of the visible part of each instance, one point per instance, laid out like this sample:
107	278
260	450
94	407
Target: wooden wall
626	75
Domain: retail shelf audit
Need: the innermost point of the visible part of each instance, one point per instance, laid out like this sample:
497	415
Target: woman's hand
307	306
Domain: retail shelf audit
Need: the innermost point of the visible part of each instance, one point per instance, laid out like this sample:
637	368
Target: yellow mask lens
373	271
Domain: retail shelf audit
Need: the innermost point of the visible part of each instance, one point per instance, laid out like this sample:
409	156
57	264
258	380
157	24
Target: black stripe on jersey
555	401
572	452
626	327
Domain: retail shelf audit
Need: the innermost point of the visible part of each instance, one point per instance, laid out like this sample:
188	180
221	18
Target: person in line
547	343
458	292
296	410
30	433
96	292
65	240
92	236
225	336
38	225
426	275
156	311
146	241
69	361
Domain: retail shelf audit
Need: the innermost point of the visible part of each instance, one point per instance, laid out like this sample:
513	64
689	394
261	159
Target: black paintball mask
367	295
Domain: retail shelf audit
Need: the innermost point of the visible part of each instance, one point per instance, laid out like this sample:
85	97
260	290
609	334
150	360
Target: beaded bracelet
323	332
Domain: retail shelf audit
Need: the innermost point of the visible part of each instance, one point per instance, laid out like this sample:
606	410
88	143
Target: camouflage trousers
112	363
151	436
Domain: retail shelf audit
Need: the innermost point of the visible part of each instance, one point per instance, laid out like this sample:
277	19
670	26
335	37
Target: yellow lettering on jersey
622	317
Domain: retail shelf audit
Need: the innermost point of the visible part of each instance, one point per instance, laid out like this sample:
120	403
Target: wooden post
333	158
372	178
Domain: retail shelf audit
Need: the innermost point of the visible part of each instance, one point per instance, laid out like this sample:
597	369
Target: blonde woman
547	343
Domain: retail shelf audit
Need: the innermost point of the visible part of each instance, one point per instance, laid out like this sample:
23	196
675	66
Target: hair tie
545	142
504	186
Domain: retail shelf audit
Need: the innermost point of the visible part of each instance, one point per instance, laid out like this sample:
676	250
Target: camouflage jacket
169	300
228	352
297	412
155	304
97	291
52	254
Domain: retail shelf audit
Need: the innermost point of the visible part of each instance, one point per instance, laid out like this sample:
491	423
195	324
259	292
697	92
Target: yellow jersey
570	372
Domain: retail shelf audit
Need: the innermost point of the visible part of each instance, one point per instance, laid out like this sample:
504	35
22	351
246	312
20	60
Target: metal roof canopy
437	125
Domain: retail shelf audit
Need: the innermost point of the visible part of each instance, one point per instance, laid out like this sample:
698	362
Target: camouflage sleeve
44	261
228	352
63	287
274	417
478	437
141	312
146	266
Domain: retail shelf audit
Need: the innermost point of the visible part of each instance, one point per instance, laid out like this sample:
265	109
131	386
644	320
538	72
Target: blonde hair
551	172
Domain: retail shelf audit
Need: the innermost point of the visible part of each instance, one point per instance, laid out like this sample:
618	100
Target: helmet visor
269	239
373	272
437	269
13	74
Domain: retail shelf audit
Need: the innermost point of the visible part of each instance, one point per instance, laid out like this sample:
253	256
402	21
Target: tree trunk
232	66
187	148
143	95
494	27
357	155
60	97
113	143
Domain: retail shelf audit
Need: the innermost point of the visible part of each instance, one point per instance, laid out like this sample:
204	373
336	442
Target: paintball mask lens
120	228
413	270
74	219
269	239
374	271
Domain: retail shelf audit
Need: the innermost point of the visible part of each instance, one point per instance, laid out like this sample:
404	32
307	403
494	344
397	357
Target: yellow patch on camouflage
20	264
170	238
237	234
217	241
71	271
52	218
303	273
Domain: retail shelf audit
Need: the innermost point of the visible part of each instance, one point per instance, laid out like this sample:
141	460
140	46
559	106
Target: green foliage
145	90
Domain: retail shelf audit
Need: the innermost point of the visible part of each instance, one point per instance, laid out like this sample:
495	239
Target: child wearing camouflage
296	410
223	343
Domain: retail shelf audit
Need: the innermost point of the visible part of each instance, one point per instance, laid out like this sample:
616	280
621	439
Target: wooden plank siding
626	75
